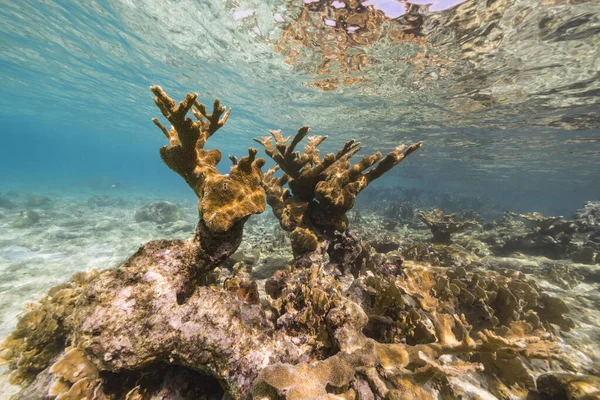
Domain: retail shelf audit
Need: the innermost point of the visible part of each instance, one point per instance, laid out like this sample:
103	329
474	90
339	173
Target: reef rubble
339	319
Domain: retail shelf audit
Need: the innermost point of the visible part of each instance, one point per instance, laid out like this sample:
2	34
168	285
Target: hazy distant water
75	106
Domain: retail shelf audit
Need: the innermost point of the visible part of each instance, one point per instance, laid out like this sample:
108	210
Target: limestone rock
27	219
160	212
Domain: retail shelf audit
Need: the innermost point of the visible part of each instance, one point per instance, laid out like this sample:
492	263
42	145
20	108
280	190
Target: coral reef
320	190
543	224
438	254
568	386
41	334
554	236
402	204
442	225
588	218
411	335
563	276
404	213
342	319
112	317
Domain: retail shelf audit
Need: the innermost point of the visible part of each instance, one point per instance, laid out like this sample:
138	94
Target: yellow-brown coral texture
224	200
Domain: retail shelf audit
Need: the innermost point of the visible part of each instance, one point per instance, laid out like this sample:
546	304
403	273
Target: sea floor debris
310	304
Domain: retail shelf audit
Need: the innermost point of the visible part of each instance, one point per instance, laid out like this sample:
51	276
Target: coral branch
343	183
321	190
224	200
390	161
443	225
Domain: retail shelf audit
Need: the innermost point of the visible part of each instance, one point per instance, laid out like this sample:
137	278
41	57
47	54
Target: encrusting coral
355	325
429	344
320	190
41	334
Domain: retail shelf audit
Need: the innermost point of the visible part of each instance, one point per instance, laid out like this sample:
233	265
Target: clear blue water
76	106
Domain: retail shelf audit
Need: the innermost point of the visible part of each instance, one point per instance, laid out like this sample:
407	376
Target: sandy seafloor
73	236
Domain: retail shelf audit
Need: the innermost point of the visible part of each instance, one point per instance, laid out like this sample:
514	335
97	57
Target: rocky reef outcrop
159	212
26	219
340	320
577	239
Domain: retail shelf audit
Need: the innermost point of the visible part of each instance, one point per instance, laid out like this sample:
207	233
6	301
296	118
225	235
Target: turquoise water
519	124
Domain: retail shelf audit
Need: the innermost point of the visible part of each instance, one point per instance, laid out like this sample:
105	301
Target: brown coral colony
321	190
